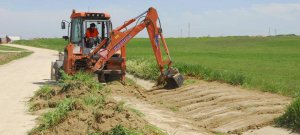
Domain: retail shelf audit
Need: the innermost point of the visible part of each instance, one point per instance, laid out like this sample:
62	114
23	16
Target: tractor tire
112	77
101	78
55	70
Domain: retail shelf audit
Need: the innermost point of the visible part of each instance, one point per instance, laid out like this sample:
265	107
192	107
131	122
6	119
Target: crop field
265	63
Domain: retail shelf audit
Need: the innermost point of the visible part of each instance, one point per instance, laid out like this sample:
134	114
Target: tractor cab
83	41
79	29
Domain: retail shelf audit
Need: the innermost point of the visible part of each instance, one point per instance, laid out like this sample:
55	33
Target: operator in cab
91	36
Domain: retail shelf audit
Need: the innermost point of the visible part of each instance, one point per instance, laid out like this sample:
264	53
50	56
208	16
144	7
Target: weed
137	112
153	129
121	130
51	118
94	100
78	81
45	92
120	106
291	117
174	108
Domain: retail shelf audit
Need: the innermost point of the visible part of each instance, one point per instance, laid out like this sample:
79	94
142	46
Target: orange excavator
105	54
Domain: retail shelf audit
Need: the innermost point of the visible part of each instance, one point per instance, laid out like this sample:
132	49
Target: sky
41	18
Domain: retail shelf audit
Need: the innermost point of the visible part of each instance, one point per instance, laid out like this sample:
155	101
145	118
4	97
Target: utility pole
275	31
181	32
189	30
269	31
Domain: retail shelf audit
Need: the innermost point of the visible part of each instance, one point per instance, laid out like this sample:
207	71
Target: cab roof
90	15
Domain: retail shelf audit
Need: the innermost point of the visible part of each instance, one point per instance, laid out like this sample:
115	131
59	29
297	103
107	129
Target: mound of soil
87	114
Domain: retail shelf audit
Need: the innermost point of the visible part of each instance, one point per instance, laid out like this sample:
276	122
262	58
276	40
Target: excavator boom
119	40
106	54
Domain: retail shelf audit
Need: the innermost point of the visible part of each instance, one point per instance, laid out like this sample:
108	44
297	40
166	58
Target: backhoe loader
105	54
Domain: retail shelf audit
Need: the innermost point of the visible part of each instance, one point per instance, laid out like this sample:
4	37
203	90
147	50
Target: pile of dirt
217	107
80	105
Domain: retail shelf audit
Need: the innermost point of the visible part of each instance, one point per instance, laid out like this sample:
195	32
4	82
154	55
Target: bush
147	69
121	130
51	118
78	81
291	117
45	92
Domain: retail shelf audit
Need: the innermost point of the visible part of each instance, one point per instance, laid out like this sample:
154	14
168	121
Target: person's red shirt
91	33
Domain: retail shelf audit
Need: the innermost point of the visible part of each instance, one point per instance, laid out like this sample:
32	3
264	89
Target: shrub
53	117
45	92
291	117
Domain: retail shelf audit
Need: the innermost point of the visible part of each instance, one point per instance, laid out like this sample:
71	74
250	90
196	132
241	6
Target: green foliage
45	92
174	108
121	130
143	68
137	112
153	129
78	81
53	117
94	100
291	117
120	106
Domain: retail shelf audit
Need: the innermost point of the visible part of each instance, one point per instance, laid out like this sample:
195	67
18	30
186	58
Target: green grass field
267	63
9	48
6	56
48	43
264	63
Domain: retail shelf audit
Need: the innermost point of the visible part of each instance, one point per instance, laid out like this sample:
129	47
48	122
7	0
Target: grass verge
9	48
48	43
7	57
291	117
80	105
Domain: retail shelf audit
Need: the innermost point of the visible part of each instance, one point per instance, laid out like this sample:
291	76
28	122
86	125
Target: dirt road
19	80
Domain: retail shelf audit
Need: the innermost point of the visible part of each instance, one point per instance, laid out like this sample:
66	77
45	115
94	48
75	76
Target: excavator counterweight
105	54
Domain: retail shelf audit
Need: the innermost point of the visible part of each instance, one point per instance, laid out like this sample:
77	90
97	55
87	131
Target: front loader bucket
171	79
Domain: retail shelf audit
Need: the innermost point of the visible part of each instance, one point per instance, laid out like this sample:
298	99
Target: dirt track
19	80
218	107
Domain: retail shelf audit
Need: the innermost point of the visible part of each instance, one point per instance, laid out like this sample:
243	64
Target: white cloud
283	11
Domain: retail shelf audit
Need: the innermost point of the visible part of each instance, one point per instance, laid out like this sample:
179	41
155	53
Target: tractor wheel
101	78
113	77
55	70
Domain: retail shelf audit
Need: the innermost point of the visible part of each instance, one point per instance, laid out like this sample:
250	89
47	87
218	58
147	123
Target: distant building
8	39
3	40
12	38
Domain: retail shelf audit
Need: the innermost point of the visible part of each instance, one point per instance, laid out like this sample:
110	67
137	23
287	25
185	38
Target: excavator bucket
171	79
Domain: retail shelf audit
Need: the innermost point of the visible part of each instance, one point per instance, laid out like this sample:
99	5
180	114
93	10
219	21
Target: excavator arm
121	36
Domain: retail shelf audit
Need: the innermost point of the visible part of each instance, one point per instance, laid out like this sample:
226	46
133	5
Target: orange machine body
117	41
